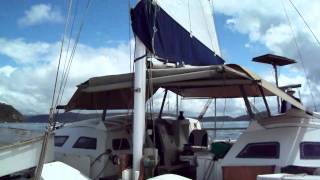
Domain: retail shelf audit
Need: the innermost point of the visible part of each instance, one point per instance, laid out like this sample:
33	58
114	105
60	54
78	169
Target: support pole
204	110
177	105
264	100
246	101
277	83
139	106
162	104
215	118
104	114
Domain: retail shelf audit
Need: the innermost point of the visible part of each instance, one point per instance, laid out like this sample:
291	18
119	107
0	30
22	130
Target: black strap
138	58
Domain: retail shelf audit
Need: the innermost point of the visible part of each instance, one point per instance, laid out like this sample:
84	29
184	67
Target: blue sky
107	24
31	31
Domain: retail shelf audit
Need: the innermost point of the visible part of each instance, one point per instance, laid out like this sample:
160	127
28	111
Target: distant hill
63	117
72	117
9	114
224	118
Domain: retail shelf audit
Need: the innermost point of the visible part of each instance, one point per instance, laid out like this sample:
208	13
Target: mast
139	105
164	28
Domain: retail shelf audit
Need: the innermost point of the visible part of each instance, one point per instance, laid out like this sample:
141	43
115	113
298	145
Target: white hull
23	153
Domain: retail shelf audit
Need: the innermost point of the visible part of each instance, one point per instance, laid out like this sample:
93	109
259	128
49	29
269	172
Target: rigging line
66	29
208	30
305	22
75	46
150	83
67	53
129	34
130	51
300	55
150	105
59	61
73	49
69	42
51	121
189	12
156	8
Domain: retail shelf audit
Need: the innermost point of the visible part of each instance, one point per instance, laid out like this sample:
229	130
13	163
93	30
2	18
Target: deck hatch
264	150
310	150
59	141
85	143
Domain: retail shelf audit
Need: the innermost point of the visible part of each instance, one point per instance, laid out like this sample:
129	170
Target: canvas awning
218	81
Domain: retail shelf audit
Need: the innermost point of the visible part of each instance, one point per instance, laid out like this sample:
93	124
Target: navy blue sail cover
171	41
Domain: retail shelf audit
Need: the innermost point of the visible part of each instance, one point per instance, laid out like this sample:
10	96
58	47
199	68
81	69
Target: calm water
225	134
10	134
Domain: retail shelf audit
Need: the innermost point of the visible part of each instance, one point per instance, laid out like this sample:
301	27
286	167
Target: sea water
231	134
10	133
14	135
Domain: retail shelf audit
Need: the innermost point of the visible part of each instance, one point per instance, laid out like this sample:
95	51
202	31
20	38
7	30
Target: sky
31	33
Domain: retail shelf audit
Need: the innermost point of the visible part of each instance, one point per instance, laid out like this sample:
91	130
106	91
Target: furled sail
178	31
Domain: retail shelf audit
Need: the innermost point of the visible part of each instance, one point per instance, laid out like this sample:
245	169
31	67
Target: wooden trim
245	172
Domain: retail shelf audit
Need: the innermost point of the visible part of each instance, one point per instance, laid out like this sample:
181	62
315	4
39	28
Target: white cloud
23	52
29	86
265	23
7	70
40	13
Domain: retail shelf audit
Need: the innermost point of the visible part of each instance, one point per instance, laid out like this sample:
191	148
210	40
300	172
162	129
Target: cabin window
60	140
310	150
86	143
264	150
120	144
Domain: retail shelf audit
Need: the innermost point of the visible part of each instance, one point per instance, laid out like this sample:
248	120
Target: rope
156	8
215	117
73	51
59	61
150	87
129	36
189	15
42	156
207	27
101	171
131	69
64	71
68	47
299	54
305	22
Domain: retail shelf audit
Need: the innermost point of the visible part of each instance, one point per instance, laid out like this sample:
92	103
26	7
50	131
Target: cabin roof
218	81
289	130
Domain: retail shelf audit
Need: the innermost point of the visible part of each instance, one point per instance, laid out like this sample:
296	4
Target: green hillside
9	114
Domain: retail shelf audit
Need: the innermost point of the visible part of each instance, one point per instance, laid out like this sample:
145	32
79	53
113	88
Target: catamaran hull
23	155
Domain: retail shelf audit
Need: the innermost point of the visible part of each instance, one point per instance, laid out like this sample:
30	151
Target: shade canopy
274	60
217	81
